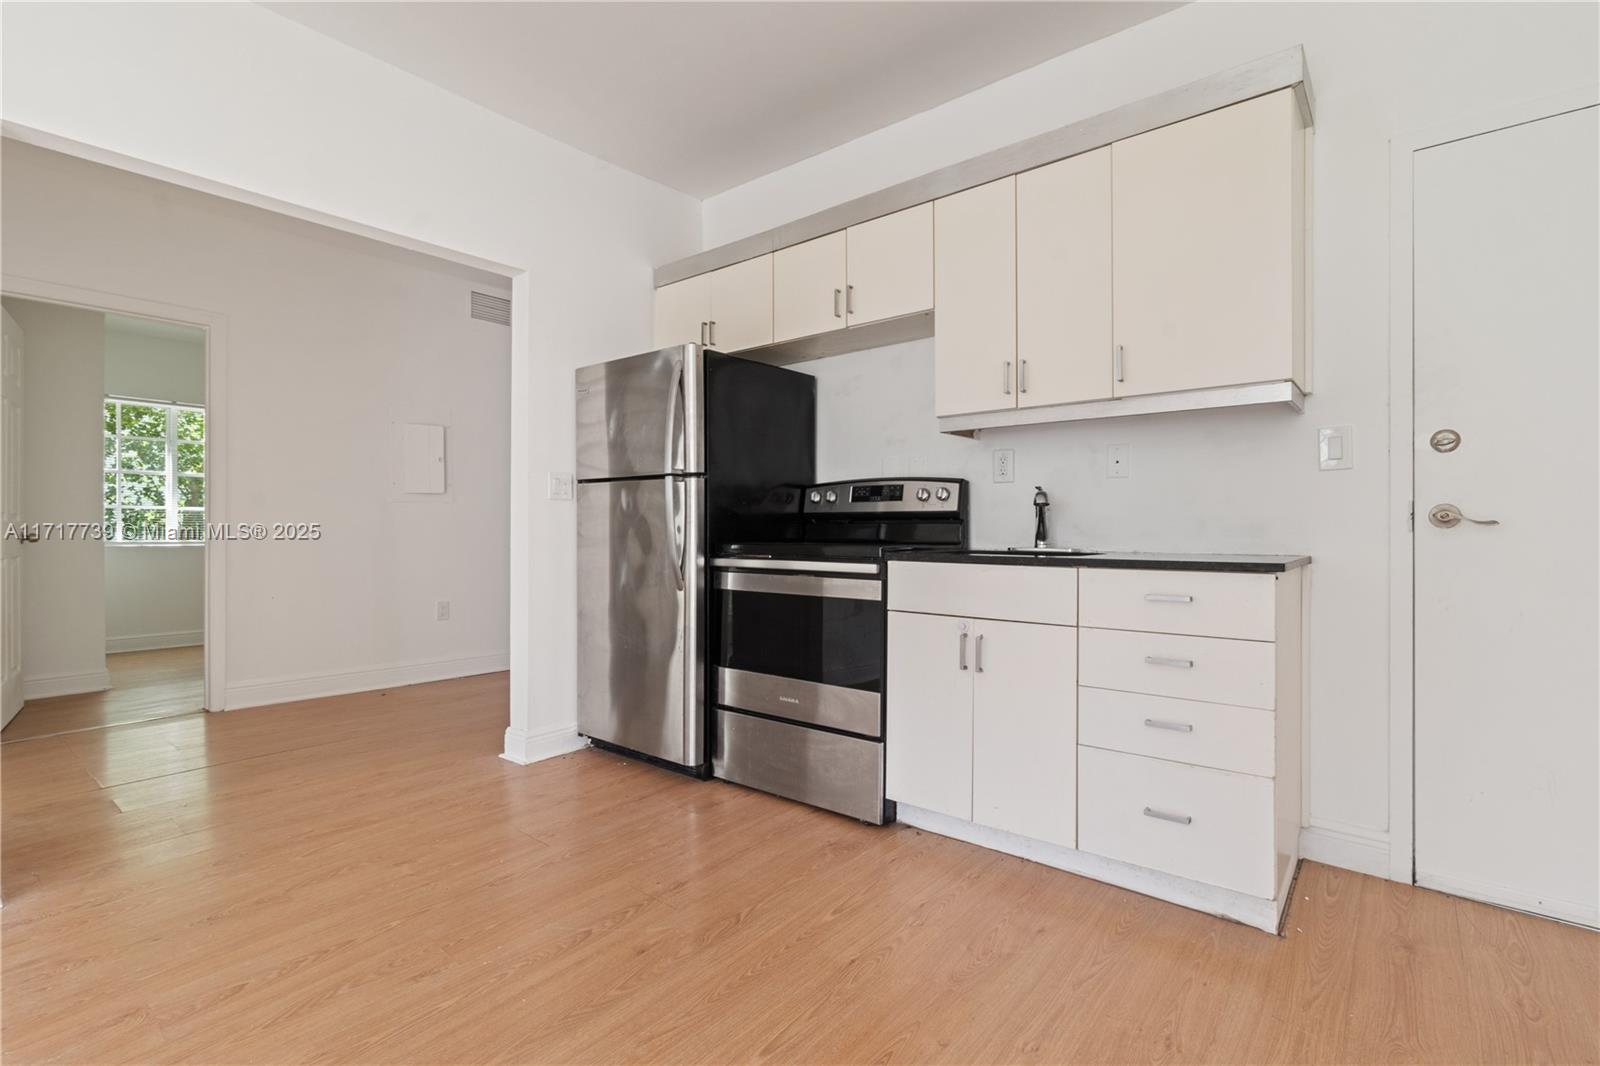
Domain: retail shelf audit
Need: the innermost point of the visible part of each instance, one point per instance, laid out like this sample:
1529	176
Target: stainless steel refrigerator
678	452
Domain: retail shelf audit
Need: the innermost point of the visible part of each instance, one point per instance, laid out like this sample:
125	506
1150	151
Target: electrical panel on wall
423	451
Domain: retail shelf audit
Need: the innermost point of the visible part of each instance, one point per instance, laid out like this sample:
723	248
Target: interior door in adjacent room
10	517
1506	516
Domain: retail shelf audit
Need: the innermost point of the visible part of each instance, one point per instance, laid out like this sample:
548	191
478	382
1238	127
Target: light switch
423	452
1335	450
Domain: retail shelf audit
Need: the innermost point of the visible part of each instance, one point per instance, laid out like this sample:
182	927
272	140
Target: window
155	472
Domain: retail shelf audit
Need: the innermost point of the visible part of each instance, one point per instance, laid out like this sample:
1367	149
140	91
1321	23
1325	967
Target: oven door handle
726	562
814	585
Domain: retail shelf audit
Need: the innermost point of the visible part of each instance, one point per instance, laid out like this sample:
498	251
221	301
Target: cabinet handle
713	332
1118	362
1176	727
1162	660
836	312
1181	819
1167	597
850	299
977	658
1005	378
703	342
963	652
1022	376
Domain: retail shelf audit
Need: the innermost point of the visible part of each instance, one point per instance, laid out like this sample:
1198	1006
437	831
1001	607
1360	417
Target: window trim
170	475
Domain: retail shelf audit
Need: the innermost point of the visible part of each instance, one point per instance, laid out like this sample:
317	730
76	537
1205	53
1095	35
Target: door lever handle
1448	516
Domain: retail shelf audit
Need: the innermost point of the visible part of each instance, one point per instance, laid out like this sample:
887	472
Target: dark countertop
1232	564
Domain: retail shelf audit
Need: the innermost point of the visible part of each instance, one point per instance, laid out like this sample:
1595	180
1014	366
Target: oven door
807	647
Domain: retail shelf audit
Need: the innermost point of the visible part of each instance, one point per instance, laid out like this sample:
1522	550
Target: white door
890	266
741	305
928	732
1207	262
10	515
683	310
1507	699
975	299
1064	281
1025	730
808	282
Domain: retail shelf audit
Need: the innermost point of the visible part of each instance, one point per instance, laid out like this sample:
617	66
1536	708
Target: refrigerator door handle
675	412
675	490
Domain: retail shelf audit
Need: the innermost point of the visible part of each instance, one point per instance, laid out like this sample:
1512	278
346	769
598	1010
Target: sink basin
1039	551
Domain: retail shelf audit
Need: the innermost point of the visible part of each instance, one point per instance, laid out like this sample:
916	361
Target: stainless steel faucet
1041	500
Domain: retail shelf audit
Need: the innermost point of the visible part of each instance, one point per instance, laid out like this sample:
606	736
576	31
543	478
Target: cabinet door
975	299
1064	346
1025	730
1207	220
741	305
682	311
808	288
928	733
890	266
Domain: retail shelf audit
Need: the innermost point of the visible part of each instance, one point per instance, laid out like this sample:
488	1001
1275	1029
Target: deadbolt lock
1445	440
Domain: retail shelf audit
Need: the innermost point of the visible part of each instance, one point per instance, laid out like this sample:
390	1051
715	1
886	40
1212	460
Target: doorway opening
107	564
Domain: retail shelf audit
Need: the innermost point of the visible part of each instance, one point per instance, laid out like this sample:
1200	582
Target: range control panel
920	496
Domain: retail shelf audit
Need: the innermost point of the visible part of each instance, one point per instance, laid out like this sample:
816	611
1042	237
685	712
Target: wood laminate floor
145	685
362	879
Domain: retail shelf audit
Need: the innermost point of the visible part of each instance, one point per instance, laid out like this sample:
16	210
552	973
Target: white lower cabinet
1207	825
1024	730
1166	762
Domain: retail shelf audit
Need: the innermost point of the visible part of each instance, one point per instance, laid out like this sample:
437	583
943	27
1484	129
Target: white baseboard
1563	910
187	638
527	748
339	683
42	688
1349	847
1263	914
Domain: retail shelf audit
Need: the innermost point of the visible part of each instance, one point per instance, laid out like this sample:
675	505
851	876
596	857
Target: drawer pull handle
1180	819
1162	660
1176	727
962	656
1167	597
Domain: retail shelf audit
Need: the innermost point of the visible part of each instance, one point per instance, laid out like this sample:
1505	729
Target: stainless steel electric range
800	641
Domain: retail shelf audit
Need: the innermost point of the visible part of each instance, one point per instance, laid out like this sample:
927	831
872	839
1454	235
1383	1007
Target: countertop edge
1232	564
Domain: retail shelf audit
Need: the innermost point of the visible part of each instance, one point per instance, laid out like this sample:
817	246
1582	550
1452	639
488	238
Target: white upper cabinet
683	310
741	305
1207	238
975	296
808	288
890	270
1064	346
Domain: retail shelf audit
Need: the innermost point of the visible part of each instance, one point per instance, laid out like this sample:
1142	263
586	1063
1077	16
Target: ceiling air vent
487	308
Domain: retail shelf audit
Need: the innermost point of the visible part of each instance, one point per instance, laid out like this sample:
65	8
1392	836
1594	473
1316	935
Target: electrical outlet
560	487
1119	460
441	611
1005	463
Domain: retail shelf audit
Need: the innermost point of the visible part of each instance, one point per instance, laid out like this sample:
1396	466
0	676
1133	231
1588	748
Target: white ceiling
706	96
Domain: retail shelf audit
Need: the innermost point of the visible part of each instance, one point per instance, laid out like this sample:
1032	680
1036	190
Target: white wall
332	340
234	95
63	580
1232	481
155	593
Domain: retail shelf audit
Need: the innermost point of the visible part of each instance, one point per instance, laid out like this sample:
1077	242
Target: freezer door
641	608
640	416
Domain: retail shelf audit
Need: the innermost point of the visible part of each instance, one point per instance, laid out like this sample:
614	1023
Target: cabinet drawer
1212	669
1013	593
1217	735
1170	601
1206	825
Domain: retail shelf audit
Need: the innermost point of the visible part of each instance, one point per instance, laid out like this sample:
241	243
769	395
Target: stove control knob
943	494
815	497
831	496
922	495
